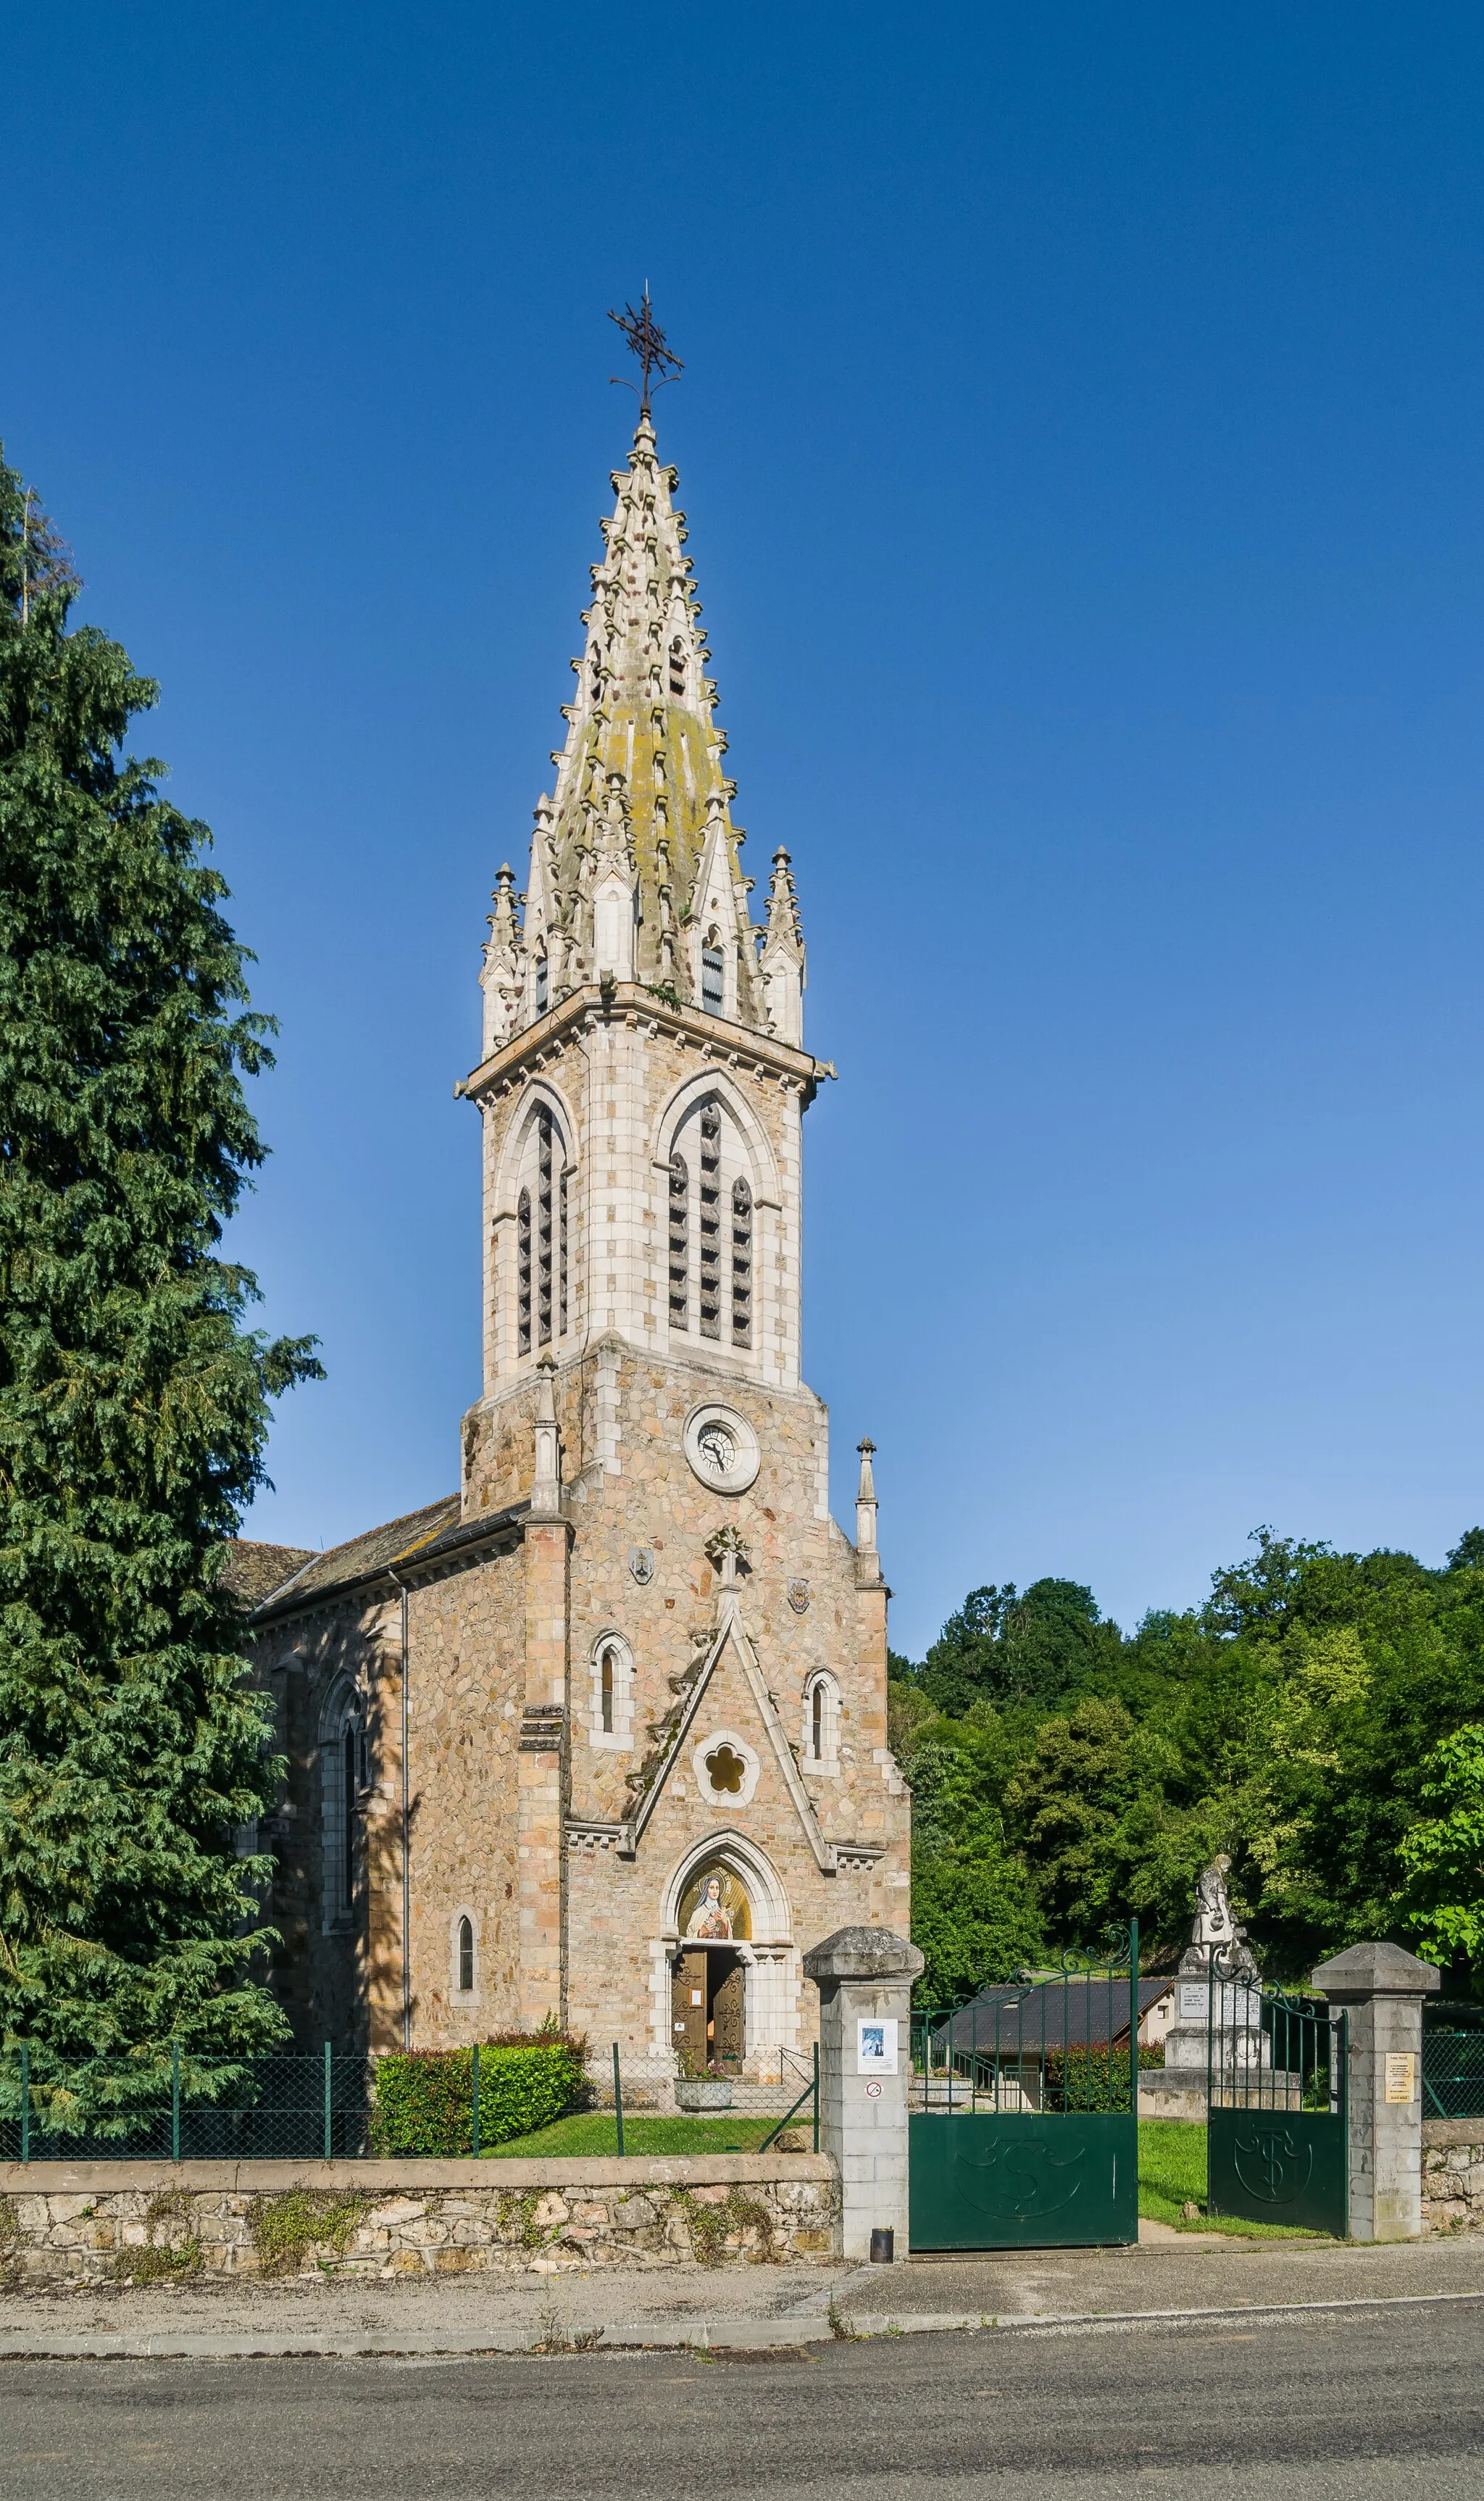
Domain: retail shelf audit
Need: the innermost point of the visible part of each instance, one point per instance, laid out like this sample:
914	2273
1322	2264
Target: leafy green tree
974	1911
133	1400
1442	1856
1033	1651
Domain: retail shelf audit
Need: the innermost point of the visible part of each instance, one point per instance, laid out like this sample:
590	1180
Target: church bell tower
643	1076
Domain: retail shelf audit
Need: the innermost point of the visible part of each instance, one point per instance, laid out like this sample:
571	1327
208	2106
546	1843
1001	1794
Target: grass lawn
1172	2170
593	2132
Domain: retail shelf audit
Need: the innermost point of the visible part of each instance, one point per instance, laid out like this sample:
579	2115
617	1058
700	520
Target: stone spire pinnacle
783	965
641	801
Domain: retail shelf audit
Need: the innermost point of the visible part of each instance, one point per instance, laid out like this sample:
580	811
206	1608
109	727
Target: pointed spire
641	782
868	1562
546	1482
782	963
502	977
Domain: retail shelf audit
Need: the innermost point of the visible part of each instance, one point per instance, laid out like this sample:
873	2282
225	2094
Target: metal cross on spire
645	340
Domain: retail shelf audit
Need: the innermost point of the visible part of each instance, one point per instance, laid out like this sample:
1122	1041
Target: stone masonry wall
1453	2174
118	2222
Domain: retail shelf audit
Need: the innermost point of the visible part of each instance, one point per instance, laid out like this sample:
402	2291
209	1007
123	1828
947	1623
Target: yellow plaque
1400	2075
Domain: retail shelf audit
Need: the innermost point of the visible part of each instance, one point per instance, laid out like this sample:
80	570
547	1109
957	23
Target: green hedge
422	2102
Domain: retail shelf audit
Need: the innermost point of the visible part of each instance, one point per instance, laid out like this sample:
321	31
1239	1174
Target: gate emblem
1271	2166
1031	2175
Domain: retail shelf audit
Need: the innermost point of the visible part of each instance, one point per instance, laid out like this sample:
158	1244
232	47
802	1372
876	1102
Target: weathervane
645	340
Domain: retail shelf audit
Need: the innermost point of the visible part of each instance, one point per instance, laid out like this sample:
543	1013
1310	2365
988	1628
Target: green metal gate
1278	2129
1022	2131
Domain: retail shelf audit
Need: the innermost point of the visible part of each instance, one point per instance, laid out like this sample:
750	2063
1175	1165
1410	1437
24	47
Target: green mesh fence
1452	2075
185	2109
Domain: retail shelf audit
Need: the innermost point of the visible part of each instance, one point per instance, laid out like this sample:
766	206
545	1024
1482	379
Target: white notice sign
876	2044
1400	2075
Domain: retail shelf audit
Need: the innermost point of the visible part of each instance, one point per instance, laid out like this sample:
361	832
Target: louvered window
523	1265
546	1227
712	980
680	1244
741	1264
710	1221
678	667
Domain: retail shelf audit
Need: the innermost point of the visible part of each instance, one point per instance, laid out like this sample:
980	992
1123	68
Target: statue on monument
1217	1941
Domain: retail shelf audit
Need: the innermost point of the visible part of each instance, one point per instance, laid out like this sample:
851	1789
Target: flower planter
703	2093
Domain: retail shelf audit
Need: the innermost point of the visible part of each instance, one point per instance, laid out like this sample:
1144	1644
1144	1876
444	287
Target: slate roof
1043	2015
359	1558
252	1570
417	1538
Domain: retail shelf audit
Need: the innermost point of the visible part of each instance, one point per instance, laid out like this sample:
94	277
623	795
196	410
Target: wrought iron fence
1056	2043
1267	2050
185	2109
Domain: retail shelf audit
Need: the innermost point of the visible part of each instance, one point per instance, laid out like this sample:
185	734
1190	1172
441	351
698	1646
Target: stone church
602	1736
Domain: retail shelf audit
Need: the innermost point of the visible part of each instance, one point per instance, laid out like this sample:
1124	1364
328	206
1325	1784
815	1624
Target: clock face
717	1448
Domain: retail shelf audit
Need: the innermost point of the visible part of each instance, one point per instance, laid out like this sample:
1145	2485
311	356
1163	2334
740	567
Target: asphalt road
1345	2405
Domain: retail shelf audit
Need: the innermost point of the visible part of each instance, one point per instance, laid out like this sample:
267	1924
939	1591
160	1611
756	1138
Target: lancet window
466	1956
610	1720
712	980
344	1753
541	1301
678	667
713	1229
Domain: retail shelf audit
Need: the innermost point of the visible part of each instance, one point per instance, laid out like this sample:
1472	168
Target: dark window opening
712	980
741	1264
678	667
466	1956
710	1221
606	1680
680	1244
523	1259
543	989
352	1785
818	1736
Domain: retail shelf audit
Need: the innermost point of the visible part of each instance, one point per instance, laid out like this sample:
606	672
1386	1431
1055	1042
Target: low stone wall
136	2222
1453	2174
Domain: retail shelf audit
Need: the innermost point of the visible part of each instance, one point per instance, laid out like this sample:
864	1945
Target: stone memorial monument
1218	2019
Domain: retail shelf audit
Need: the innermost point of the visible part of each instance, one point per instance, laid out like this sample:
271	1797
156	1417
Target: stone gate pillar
1383	1987
865	1979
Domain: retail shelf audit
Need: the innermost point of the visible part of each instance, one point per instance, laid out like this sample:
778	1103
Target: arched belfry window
543	985
541	1238
680	1243
713	1267
677	666
742	1263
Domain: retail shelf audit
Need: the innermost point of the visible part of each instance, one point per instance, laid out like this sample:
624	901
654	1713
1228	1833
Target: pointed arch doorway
731	1962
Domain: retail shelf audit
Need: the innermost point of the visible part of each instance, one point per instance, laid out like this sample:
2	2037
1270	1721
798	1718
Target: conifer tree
133	1398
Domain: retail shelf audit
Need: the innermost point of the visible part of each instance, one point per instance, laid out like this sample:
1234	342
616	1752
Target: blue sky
1081	434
